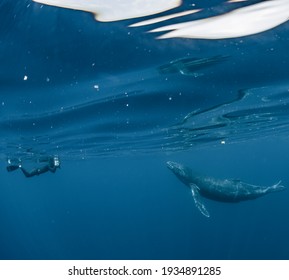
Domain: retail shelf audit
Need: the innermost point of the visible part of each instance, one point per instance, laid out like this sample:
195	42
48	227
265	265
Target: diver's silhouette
48	163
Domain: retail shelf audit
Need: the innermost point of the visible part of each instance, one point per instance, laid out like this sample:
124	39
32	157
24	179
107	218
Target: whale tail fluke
276	187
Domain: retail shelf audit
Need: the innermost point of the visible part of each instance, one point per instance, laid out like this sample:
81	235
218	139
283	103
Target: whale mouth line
170	164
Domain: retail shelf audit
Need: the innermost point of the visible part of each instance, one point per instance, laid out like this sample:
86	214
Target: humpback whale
225	190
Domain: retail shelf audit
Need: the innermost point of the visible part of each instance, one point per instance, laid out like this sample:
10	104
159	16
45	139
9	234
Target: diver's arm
52	169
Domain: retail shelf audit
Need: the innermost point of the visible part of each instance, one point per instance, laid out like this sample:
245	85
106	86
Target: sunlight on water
160	19
116	9
192	96
240	22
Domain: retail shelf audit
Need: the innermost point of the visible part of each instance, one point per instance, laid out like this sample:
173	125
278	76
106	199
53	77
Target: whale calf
225	190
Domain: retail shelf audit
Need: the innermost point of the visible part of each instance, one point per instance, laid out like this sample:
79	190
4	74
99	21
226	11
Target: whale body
225	190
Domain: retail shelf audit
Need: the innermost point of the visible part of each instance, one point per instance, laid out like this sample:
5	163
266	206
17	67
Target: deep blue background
135	208
128	205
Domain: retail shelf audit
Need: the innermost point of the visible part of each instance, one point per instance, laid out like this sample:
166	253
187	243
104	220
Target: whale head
178	169
182	172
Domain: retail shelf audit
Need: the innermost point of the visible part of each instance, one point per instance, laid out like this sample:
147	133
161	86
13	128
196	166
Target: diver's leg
26	173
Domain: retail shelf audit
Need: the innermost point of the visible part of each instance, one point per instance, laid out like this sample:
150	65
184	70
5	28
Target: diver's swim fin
12	167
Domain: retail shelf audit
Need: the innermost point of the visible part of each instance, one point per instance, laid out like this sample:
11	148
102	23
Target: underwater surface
115	101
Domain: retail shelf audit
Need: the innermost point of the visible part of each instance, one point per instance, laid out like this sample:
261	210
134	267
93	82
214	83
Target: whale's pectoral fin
198	203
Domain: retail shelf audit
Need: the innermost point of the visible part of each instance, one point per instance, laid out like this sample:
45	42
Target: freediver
49	163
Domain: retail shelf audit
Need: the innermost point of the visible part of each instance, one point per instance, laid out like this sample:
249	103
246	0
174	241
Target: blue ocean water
115	103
